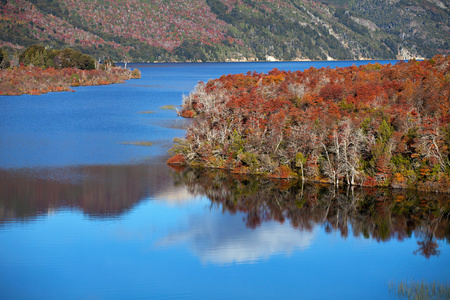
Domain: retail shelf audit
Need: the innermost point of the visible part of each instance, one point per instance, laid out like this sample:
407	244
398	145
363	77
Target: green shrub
136	74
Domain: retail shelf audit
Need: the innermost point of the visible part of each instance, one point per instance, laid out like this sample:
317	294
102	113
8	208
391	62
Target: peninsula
38	71
373	125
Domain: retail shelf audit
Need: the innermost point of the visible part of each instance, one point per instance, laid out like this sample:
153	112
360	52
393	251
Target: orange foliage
177	159
187	114
282	172
37	81
370	125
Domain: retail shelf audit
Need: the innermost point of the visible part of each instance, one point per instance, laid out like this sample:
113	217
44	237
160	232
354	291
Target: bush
177	159
136	74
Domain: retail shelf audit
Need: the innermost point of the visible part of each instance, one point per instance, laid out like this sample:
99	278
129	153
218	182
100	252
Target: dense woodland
224	30
373	125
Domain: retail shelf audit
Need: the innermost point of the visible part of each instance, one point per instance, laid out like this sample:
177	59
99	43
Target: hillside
227	30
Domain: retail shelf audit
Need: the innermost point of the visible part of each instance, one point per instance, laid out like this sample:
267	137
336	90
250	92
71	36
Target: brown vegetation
36	81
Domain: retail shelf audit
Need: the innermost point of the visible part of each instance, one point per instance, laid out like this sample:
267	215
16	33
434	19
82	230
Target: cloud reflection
175	196
224	239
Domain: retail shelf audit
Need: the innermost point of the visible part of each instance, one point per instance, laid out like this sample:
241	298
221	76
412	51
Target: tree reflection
428	248
99	191
112	190
380	214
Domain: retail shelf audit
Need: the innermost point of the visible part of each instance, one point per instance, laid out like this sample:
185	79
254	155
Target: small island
372	125
38	70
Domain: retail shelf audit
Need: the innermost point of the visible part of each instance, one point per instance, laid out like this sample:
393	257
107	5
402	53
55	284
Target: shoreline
260	61
37	81
295	178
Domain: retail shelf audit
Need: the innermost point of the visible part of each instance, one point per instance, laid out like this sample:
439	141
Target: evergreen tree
4	60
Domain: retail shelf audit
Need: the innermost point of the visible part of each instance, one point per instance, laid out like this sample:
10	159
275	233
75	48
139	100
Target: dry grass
138	143
168	107
146	112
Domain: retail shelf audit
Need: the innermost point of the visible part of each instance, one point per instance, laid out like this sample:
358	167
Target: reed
420	290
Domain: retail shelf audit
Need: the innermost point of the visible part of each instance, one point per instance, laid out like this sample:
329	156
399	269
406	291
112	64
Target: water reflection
223	239
380	214
286	214
99	191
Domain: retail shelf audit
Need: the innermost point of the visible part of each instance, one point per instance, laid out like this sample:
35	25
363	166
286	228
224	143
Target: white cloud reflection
224	239
175	196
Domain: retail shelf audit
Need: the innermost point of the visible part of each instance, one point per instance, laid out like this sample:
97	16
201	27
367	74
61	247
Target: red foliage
177	159
187	114
282	172
392	117
332	91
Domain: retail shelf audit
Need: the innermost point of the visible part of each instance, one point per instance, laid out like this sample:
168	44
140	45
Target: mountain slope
220	30
421	26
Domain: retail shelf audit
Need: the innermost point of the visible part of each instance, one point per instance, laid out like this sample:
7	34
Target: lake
89	212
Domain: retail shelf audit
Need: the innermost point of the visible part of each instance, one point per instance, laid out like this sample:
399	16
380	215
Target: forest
229	30
372	125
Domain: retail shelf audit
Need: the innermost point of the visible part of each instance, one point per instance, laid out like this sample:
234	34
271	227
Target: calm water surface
84	214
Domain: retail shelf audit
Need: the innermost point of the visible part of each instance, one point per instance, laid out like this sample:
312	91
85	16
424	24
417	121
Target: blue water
86	215
91	125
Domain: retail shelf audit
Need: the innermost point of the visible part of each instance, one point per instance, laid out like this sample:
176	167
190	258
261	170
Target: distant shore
36	81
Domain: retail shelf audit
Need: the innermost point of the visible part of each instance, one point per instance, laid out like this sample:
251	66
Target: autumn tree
370	125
